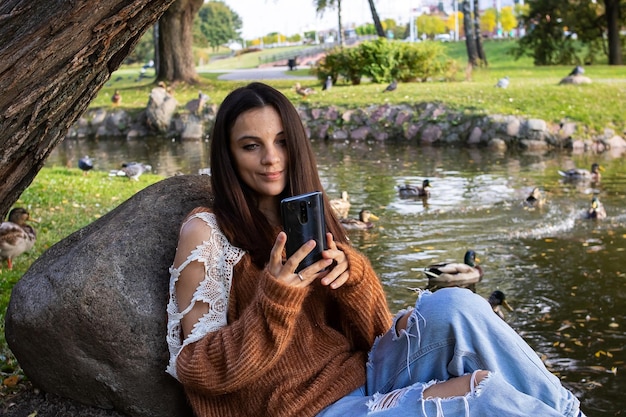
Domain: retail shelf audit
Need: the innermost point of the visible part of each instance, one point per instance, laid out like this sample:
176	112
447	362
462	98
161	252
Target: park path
267	73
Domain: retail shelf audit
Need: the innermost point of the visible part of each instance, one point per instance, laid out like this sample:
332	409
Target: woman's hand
340	272
286	272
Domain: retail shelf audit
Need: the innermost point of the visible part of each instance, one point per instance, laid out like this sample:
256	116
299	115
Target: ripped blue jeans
450	333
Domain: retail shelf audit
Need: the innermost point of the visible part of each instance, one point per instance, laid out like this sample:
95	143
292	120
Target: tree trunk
379	27
175	40
54	57
612	12
472	56
340	35
480	52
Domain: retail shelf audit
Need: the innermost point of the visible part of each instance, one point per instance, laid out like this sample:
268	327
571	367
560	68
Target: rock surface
87	321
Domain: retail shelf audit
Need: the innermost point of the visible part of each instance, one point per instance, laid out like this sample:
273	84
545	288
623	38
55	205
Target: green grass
533	93
61	200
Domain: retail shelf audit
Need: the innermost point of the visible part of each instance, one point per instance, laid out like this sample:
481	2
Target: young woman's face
258	146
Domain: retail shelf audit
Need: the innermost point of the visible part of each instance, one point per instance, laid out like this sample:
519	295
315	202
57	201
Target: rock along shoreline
424	124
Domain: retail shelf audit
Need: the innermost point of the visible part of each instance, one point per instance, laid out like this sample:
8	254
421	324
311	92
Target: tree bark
175	40
468	27
341	40
480	52
379	27
612	12
54	57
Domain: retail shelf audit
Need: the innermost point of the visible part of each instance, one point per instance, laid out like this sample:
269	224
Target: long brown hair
235	203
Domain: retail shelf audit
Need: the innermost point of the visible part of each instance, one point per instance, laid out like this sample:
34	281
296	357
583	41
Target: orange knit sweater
286	351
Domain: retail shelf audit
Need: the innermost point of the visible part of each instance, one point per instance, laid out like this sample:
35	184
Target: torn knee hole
386	401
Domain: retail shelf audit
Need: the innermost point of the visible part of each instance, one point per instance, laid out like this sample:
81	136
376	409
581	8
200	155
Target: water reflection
167	157
565	275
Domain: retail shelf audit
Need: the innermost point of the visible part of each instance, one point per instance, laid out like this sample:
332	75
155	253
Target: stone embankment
423	123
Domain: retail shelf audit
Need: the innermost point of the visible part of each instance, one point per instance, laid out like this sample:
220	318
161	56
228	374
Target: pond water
564	275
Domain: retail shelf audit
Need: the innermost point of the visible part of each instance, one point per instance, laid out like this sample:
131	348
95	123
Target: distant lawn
533	93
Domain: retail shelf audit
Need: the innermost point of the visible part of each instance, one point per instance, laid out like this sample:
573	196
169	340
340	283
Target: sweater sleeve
363	309
235	355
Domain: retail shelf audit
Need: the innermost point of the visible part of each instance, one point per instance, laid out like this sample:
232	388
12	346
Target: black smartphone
303	220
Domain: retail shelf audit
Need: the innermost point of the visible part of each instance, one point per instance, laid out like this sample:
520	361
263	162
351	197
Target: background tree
451	22
488	20
218	23
545	39
430	25
508	19
615	14
520	11
51	69
144	50
468	26
556	30
480	51
322	5
175	61
379	27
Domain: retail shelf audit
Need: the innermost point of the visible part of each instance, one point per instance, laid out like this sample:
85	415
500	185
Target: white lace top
219	258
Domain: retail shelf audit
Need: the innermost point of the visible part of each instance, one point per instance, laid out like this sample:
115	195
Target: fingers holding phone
339	273
287	272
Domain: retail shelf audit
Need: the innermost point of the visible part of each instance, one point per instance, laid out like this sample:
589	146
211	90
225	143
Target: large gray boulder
88	319
160	110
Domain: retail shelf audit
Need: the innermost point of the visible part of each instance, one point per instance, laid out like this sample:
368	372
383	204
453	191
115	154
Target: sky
289	17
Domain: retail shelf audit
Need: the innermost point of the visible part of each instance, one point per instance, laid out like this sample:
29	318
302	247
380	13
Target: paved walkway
268	73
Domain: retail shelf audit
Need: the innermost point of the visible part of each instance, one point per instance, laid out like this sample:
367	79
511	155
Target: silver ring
300	276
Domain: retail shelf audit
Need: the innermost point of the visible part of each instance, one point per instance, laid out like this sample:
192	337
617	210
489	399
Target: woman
250	337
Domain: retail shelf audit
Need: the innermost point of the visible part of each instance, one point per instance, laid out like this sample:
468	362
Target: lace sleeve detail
219	258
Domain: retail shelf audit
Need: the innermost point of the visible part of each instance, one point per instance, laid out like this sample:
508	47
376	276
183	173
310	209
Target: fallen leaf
11	381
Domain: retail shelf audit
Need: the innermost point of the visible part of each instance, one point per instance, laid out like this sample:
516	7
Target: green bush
346	62
382	61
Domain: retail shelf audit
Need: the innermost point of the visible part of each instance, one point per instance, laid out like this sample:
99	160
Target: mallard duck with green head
362	223
408	190
580	174
455	274
497	300
16	237
596	210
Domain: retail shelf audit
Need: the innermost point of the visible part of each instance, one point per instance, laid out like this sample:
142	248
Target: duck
455	274
580	174
116	98
16	237
409	190
362	223
535	199
85	164
391	87
133	170
341	206
497	300
304	91
596	210
196	105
